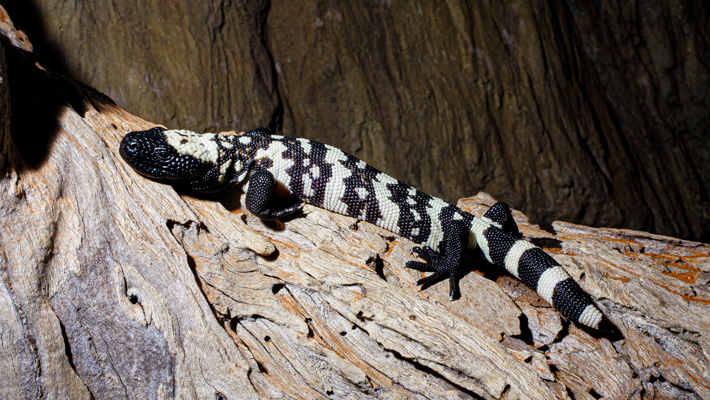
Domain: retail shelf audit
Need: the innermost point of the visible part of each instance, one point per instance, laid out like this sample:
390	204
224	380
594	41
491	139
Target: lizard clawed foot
442	267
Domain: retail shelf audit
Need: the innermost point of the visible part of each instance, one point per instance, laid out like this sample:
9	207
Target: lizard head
178	157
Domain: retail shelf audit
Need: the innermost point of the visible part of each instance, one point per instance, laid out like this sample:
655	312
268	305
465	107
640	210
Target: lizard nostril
132	146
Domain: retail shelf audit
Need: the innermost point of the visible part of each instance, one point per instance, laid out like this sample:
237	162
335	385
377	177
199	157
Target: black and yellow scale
326	177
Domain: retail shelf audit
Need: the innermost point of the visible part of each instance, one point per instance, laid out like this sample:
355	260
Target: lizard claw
441	266
426	253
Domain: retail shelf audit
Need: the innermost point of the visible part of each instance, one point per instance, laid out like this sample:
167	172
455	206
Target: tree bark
114	286
590	112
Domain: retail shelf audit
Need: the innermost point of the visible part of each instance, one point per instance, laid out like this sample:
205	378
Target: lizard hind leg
500	213
447	265
261	194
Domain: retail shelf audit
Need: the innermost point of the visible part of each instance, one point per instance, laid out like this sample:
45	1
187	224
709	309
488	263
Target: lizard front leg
449	264
260	195
500	213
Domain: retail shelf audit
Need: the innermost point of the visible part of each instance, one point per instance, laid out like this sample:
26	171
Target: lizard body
322	175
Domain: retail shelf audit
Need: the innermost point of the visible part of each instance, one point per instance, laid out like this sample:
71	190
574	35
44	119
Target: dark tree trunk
590	112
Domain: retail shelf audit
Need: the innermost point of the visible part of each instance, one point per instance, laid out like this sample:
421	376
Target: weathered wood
114	286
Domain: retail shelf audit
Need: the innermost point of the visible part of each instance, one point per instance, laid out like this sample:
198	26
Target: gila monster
310	172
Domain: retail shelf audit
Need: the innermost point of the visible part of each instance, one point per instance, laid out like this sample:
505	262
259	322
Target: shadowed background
589	113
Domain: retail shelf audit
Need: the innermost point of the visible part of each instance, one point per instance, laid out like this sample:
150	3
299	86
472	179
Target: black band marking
532	264
569	299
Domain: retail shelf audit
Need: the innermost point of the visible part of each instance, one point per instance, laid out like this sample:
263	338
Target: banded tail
501	243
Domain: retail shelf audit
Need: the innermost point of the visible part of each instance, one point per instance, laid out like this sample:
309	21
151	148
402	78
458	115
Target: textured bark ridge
594	112
114	286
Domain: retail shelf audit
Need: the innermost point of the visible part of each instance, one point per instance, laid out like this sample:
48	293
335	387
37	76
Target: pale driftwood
114	286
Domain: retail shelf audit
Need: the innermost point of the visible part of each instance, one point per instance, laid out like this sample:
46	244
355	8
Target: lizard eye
162	154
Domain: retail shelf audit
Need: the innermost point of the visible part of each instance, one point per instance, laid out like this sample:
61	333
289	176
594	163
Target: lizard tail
540	272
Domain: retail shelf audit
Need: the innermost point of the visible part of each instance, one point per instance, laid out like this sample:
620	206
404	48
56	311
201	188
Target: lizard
272	166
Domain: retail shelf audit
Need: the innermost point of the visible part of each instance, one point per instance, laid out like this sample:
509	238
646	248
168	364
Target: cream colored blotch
201	146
